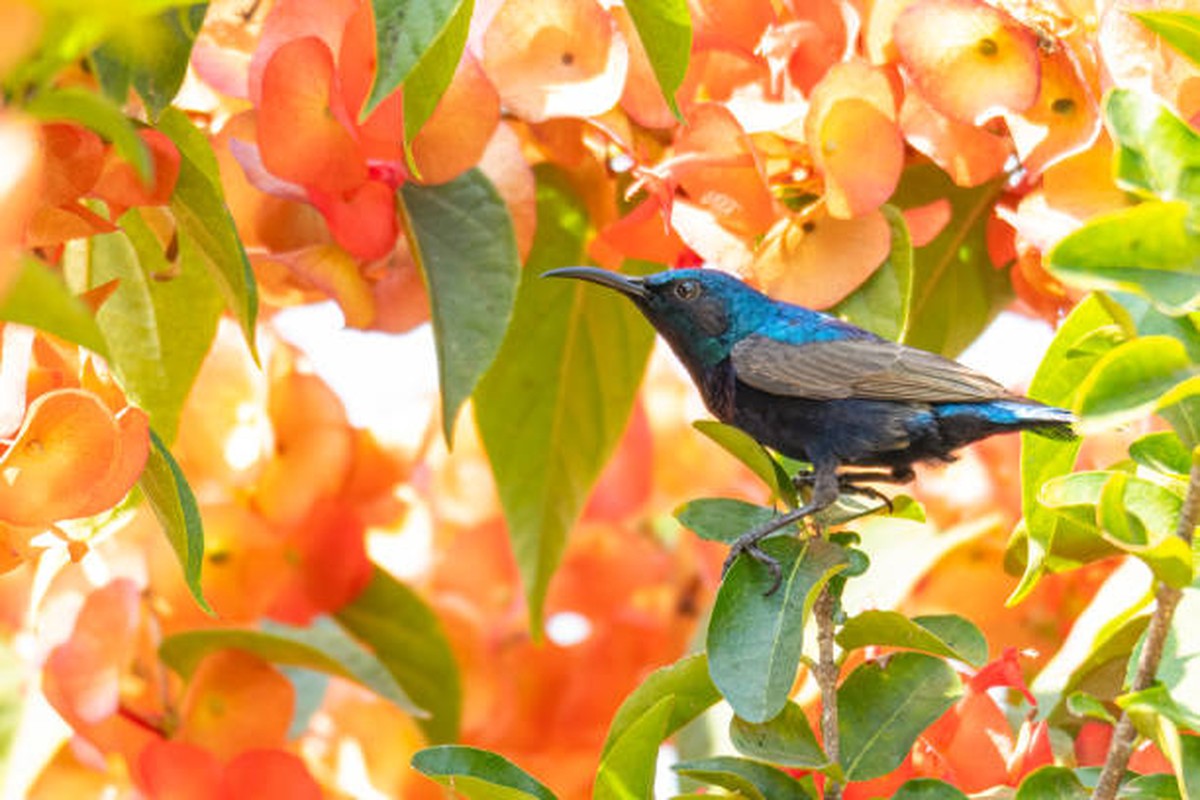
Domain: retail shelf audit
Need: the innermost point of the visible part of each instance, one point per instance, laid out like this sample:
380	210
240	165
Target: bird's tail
1019	415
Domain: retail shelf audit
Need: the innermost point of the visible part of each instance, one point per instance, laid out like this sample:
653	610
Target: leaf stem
827	676
1167	597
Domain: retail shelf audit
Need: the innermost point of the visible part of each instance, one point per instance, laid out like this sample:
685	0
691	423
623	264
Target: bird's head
701	312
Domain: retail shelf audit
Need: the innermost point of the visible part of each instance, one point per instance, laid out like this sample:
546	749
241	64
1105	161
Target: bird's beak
631	287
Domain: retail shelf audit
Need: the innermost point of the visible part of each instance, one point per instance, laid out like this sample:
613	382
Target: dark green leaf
1149	249
152	54
405	32
884	705
322	646
200	211
478	774
786	739
175	506
721	519
40	299
957	291
744	448
405	635
1127	381
551	409
1152	787
945	635
750	779
1164	452
1158	154
429	79
160	320
1057	782
463	242
881	305
98	113
927	789
754	641
1181	29
665	30
1056	382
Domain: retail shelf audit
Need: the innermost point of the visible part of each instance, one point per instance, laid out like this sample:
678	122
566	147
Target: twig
1121	746
827	676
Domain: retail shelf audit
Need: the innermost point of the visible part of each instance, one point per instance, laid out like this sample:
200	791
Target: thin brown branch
827	678
1167	598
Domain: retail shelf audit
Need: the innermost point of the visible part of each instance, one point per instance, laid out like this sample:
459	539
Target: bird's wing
859	368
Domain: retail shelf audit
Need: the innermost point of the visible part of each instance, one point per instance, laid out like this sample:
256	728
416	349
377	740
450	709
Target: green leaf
322	646
1149	249
686	681
1127	382
927	789
957	291
478	774
721	519
1151	787
97	113
463	241
1082	704
167	489
754	641
1179	670
433	73
1157	715
882	304
151	54
405	635
405	33
40	299
1057	782
746	449
200	211
1181	29
557	398
786	739
1158	154
627	767
160	320
946	635
1163	452
750	779
884	705
665	30
1056	382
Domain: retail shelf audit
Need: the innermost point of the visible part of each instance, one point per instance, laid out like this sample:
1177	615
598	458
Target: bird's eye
687	290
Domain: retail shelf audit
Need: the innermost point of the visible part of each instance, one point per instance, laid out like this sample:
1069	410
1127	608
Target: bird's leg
849	482
825	492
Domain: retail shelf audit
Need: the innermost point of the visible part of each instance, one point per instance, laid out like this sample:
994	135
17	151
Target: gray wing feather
859	368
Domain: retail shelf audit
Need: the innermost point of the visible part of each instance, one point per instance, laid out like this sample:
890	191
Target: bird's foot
852	483
749	544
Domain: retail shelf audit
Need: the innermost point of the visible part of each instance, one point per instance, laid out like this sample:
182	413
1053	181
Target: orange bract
290	20
970	155
236	701
120	186
21	183
970	60
301	134
74	160
1064	119
453	139
730	24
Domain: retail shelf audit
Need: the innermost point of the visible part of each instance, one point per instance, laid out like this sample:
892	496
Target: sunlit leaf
1149	249
1181	29
946	635
1057	782
1162	451
746	449
175	506
97	113
882	304
559	393
884	705
627	767
665	29
686	681
1127	381
322	647
754	640
463	241
407	638
1158	154
477	774
39	298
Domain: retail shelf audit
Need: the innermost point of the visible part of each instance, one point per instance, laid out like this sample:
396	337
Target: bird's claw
848	483
750	546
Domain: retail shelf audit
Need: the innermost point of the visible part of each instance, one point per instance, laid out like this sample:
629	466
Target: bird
855	406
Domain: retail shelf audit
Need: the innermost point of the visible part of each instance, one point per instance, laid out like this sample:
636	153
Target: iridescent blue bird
818	389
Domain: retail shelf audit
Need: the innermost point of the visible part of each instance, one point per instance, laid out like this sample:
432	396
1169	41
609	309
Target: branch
827	677
1167	598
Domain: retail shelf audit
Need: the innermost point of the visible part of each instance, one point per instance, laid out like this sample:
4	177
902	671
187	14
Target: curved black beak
632	287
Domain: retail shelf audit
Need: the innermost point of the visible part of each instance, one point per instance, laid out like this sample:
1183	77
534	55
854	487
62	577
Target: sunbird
818	389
